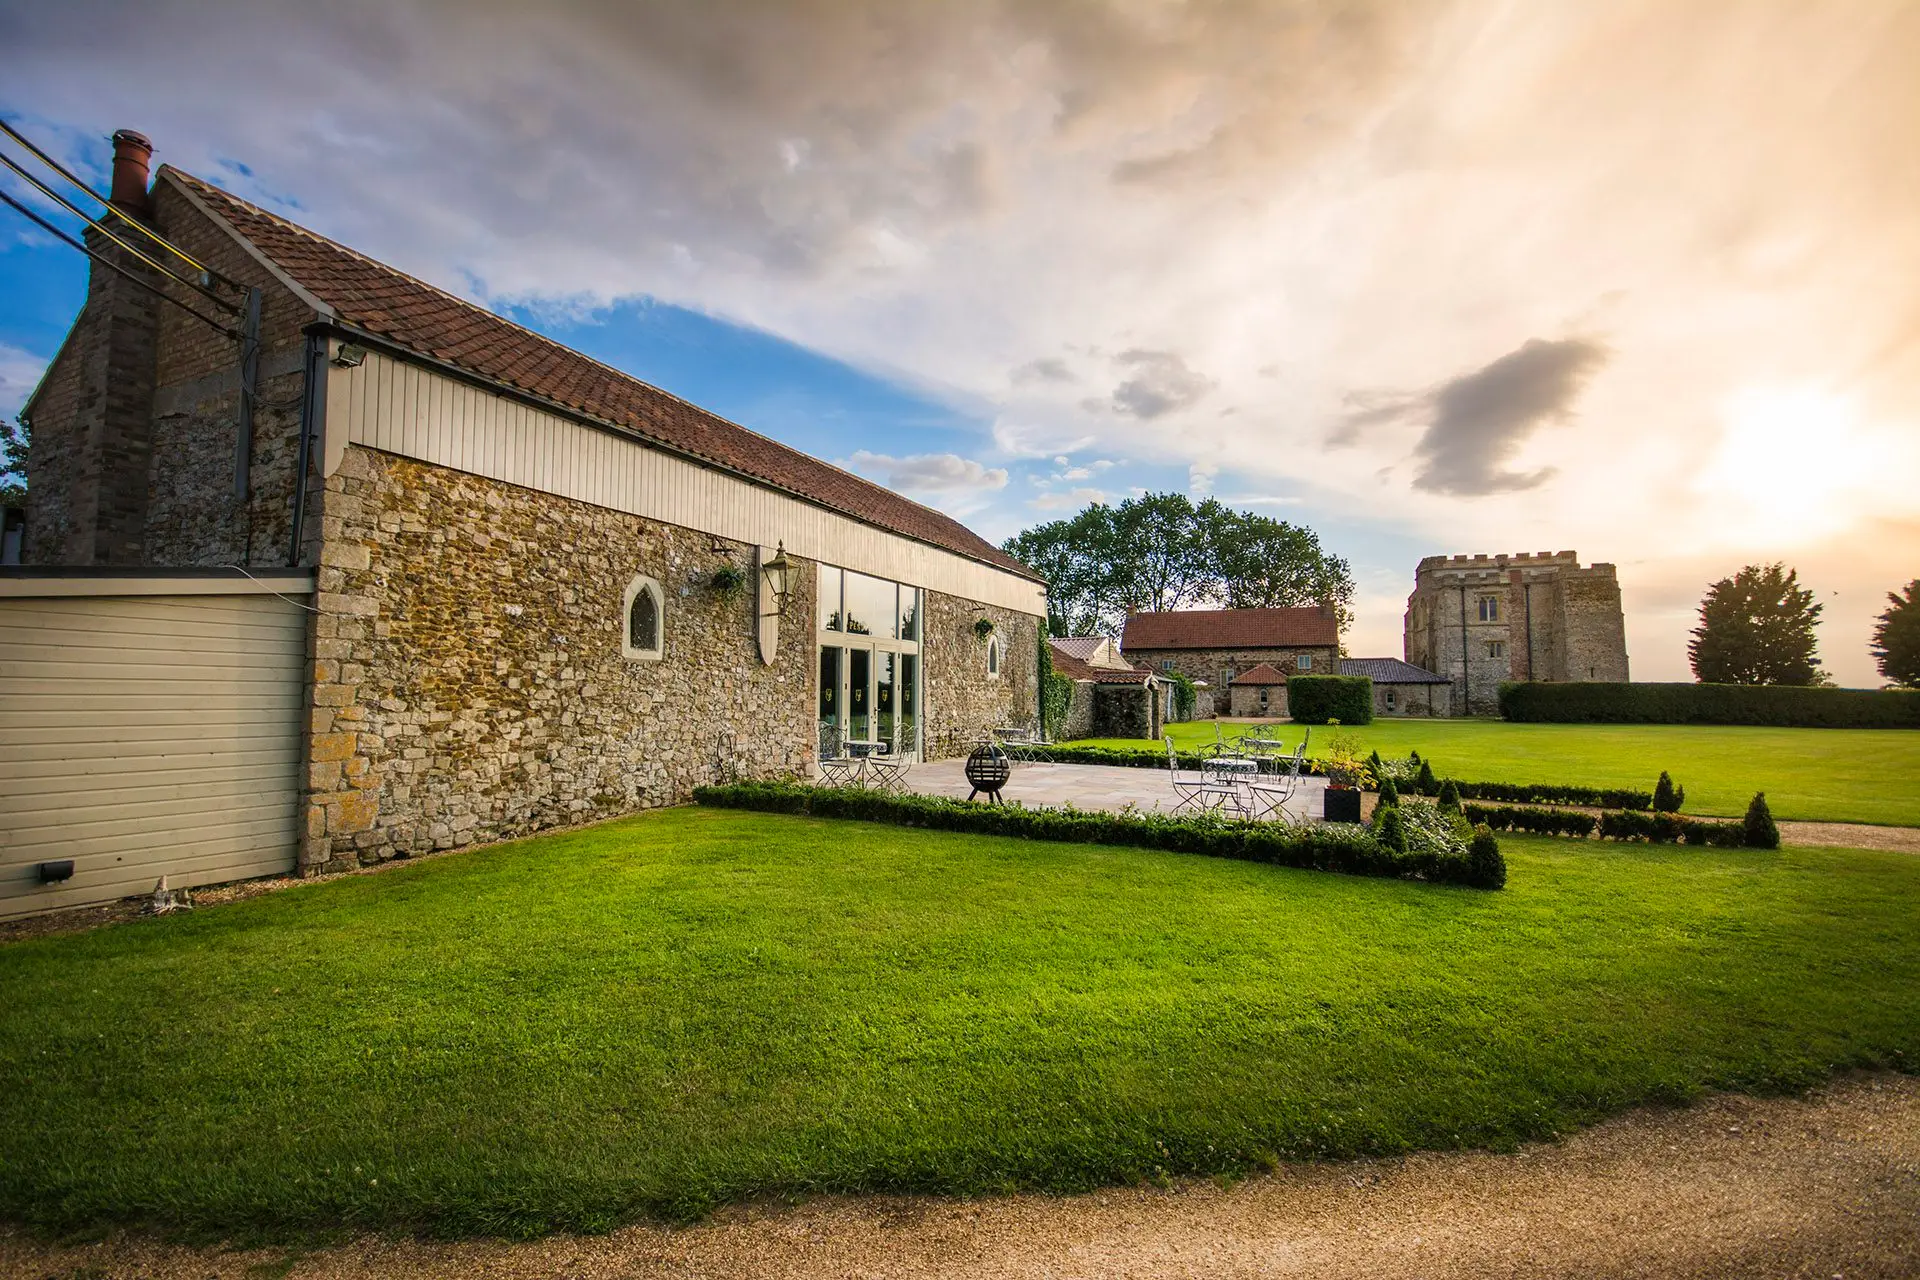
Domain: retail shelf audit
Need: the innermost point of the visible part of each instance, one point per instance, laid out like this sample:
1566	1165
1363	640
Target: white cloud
19	374
1073	500
929	472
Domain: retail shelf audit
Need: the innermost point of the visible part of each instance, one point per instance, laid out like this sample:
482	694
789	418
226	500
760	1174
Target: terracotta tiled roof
1075	669
1229	629
1265	673
1389	671
419	317
1081	647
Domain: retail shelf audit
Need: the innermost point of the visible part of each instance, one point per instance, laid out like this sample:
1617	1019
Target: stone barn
1111	697
435	578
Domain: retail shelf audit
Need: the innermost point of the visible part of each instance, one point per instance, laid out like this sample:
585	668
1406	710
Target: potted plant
982	628
1347	775
728	579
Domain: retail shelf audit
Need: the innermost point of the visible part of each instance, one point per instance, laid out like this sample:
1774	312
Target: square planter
1340	805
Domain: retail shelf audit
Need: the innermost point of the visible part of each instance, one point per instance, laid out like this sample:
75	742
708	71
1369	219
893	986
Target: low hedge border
1509	792
1787	706
1317	847
1624	824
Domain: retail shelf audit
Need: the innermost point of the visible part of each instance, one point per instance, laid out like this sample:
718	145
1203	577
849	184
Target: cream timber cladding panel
404	409
146	735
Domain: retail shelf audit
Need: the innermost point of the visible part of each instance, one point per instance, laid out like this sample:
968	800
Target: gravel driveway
1827	1185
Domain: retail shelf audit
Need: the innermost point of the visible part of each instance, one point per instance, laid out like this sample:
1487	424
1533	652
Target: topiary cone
1449	796
1389	794
1759	830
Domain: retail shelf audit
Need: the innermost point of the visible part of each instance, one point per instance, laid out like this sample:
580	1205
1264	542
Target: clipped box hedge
1627	824
1319	699
1318	847
1595	702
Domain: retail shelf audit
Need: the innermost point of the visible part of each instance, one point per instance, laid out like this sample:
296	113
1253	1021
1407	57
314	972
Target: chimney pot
132	153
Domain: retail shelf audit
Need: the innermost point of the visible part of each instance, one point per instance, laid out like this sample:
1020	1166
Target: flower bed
1349	850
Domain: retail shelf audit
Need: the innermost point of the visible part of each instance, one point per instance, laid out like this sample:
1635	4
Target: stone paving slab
1087	786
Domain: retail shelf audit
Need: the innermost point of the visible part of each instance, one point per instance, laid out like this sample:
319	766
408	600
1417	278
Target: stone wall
1218	667
964	704
1411	700
1124	711
1079	718
1244	700
469	683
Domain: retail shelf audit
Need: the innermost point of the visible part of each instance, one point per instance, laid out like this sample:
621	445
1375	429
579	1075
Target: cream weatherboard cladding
143	736
402	408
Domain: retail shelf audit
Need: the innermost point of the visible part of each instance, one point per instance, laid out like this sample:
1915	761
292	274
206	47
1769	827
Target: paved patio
1087	786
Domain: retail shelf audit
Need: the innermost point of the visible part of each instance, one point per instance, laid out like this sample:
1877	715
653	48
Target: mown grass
657	1015
1814	775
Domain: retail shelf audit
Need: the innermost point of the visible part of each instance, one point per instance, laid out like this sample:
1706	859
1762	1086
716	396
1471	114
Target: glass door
859	693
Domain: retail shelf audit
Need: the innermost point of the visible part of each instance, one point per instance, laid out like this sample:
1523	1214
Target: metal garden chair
1202	791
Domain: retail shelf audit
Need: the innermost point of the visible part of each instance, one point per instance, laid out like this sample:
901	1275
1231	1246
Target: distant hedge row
1595	702
1341	847
1319	699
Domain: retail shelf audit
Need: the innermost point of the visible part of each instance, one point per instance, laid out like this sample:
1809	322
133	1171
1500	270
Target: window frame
636	653
1303	662
1496	650
993	656
1489	608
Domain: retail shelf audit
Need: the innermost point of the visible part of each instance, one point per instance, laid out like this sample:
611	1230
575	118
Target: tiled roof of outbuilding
410	313
1230	629
1389	671
1075	669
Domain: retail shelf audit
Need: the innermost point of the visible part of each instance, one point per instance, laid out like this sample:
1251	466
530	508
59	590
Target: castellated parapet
1483	619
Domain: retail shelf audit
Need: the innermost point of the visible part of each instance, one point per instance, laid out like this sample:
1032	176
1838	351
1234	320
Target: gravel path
1823	1186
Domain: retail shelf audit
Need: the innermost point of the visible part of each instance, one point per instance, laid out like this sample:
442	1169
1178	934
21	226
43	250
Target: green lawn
1816	775
659	1014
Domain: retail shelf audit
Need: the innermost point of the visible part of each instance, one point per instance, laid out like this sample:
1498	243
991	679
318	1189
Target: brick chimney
93	420
132	155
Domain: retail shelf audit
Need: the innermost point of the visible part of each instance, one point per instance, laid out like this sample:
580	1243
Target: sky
1640	279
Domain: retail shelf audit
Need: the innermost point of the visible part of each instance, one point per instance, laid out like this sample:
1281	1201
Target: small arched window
993	657
645	632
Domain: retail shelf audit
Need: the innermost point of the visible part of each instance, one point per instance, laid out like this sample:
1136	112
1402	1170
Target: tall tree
1896	641
1757	628
1161	551
15	440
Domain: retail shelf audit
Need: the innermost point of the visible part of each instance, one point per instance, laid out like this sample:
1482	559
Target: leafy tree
1896	641
1161	551
15	439
1757	628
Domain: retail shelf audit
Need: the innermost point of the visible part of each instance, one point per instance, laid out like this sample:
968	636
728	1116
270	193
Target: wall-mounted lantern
776	585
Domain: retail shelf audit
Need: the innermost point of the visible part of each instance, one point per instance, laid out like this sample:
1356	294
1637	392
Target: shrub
1667	798
1449	796
1792	706
1540	822
1321	699
1669	828
1486	868
1554	793
1389	794
1316	846
1425	783
1390	829
1758	828
1185	696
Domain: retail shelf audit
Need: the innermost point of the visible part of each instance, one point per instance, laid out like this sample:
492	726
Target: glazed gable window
644	636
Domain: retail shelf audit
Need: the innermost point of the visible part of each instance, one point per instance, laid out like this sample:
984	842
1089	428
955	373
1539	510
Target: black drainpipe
316	348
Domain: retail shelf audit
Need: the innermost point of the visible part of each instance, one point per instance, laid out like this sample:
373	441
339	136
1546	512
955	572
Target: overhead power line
105	203
104	260
102	228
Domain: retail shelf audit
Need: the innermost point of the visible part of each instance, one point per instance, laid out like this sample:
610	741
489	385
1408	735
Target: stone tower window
1496	648
993	658
645	610
1489	608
